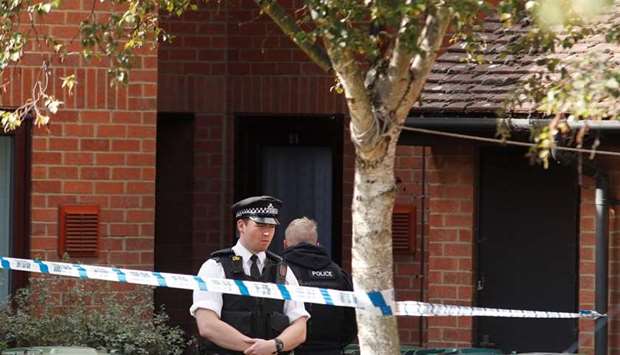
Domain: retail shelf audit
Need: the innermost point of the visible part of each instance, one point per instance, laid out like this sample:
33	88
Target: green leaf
52	104
46	8
15	56
505	17
531	5
10	121
41	120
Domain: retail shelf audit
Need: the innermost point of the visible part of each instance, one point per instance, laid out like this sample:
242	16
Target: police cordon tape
377	301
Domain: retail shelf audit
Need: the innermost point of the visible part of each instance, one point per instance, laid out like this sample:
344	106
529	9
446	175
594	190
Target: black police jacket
330	328
255	317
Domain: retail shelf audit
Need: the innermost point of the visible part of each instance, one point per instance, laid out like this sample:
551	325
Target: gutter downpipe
423	245
602	261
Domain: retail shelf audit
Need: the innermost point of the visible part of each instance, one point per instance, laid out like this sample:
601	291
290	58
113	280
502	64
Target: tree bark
373	200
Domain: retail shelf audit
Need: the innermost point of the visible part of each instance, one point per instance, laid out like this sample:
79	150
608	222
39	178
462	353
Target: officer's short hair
302	230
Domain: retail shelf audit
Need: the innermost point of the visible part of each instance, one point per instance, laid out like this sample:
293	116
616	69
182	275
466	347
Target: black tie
254	272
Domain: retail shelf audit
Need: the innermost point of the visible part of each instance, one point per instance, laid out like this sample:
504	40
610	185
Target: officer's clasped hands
260	347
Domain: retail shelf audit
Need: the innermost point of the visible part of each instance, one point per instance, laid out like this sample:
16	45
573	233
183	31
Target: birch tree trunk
373	200
392	94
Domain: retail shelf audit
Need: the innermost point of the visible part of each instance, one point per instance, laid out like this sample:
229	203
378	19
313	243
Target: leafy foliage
370	28
571	81
92	315
575	44
114	30
41	105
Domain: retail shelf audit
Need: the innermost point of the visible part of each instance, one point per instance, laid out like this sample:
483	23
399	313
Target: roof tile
457	86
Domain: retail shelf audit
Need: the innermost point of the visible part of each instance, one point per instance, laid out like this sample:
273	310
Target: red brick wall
448	201
192	78
228	59
450	242
587	261
267	74
408	278
100	149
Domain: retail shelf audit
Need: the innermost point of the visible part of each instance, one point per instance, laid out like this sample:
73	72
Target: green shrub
61	312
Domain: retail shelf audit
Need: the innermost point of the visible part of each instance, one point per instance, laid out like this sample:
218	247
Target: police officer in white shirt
234	324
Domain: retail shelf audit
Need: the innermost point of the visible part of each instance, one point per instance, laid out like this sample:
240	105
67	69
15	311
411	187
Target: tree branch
364	128
431	38
397	77
290	28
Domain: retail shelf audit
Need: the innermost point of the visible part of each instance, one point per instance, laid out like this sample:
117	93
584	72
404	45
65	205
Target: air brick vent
403	229
79	231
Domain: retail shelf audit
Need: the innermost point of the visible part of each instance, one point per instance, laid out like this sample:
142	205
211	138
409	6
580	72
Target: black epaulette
229	260
274	257
221	253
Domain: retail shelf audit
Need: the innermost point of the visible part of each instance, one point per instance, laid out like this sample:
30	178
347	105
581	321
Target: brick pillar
450	242
586	263
408	279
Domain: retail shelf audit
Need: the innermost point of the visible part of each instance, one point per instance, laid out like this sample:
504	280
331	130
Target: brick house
231	108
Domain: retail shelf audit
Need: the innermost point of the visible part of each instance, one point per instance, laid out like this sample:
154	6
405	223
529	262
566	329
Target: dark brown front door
299	160
527	251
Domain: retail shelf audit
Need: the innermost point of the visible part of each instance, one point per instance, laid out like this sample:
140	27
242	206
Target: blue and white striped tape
376	301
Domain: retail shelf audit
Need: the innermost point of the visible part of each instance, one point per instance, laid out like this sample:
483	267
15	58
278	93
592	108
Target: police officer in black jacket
330	328
234	325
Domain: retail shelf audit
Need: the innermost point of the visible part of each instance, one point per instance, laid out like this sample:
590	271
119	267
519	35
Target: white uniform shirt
213	300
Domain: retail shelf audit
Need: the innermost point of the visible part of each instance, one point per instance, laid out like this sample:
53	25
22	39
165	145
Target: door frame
21	196
253	129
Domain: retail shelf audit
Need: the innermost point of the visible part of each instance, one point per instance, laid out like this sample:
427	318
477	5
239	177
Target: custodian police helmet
260	209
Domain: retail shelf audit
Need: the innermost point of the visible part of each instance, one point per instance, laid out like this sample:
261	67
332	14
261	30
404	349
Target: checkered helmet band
269	211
